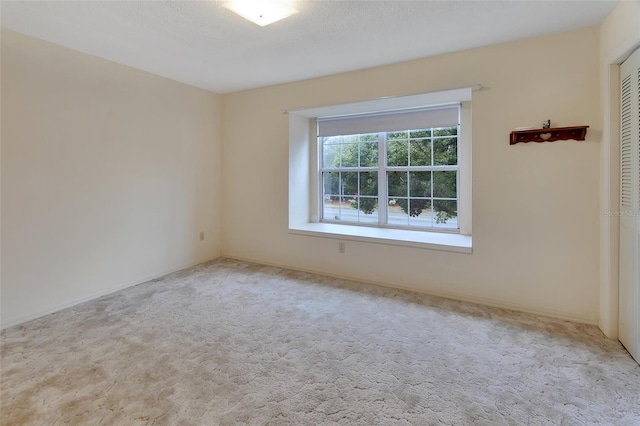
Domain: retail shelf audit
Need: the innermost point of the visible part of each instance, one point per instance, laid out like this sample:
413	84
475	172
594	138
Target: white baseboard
465	298
20	320
550	313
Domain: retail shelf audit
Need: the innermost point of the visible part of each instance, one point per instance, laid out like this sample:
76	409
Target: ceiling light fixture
261	12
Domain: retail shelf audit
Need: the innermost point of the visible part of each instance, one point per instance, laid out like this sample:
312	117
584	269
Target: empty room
304	212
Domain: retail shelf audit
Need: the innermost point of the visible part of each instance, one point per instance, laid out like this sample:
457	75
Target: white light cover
261	12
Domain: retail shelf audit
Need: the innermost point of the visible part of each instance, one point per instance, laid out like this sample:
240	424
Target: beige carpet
229	343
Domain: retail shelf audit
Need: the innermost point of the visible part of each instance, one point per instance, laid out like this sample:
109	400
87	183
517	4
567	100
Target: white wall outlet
341	246
201	235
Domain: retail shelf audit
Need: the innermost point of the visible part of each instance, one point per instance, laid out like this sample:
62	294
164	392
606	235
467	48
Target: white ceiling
204	44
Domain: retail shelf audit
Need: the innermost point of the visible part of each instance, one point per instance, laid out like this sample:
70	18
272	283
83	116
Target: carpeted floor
228	343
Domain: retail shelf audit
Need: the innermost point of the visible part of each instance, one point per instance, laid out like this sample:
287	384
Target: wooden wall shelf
548	135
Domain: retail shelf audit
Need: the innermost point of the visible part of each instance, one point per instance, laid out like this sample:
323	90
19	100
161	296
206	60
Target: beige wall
621	28
535	206
108	176
110	173
619	36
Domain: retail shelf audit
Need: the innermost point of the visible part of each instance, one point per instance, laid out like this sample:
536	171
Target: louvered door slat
626	154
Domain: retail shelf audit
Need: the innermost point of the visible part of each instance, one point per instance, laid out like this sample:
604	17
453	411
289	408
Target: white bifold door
629	316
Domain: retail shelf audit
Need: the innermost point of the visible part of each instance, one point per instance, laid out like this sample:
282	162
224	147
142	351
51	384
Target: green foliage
367	205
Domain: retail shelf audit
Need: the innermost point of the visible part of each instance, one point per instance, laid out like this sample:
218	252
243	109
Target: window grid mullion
382	178
340	190
458	151
423	169
350	169
358	187
433	162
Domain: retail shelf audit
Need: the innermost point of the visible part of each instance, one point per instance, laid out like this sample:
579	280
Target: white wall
108	176
619	36
535	206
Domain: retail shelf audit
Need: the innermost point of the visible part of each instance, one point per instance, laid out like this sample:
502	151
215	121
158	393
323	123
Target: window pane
446	214
417	206
330	155
398	153
370	137
397	184
330	197
349	155
444	184
420	152
426	133
445	131
368	183
445	151
369	154
332	140
349	209
420	184
349	182
397	212
368	207
420	213
331	182
396	135
331	208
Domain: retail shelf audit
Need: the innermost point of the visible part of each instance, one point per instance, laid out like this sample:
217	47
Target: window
374	173
405	177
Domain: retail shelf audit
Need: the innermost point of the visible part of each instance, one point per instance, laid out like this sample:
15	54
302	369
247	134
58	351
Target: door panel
629	284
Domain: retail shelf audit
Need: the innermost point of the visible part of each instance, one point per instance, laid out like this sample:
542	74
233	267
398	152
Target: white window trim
397	237
304	207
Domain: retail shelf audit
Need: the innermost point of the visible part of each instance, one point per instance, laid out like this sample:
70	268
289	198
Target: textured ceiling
204	44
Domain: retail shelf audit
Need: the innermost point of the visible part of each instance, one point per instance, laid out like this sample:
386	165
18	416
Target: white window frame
382	169
304	188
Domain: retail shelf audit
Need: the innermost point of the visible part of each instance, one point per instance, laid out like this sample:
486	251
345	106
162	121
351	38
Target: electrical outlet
341	246
201	235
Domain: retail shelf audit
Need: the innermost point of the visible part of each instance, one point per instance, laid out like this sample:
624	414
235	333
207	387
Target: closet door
629	316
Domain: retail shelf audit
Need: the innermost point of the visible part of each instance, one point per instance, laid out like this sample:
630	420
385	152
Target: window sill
399	237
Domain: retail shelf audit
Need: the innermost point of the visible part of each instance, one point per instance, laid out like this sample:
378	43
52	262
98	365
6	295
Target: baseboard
60	307
550	313
448	295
